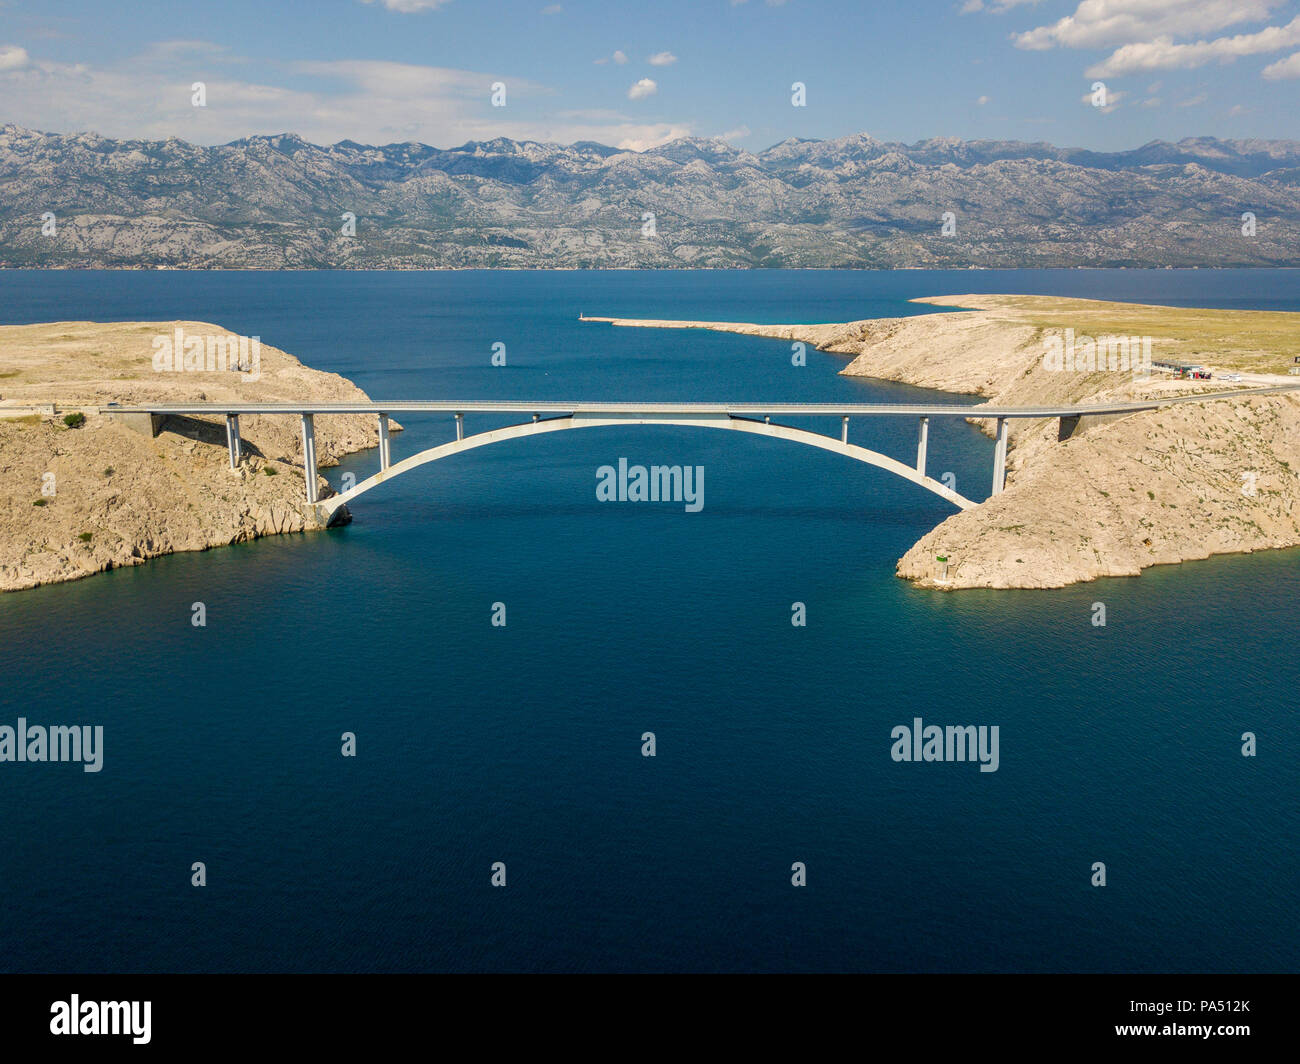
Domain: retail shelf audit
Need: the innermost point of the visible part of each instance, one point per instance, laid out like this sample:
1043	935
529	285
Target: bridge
755	418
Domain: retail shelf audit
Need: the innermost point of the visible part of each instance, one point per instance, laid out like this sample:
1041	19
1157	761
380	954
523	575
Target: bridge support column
844	432
309	455
922	441
460	426
1000	458
385	453
233	443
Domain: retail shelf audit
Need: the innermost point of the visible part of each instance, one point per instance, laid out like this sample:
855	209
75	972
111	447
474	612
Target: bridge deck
525	406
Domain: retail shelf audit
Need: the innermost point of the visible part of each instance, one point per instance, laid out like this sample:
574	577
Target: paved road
632	410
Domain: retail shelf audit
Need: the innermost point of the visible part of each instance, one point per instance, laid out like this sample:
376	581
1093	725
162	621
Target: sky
634	75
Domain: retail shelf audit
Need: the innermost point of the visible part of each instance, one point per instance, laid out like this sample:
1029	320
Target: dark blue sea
522	744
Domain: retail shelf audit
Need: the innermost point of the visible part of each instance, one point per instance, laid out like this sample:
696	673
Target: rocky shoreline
1179	483
1175	484
98	494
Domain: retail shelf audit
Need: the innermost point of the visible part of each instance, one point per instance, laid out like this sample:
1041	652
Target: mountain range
279	202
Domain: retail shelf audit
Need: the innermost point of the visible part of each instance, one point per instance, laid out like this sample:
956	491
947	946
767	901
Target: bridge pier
385	453
922	442
844	432
309	455
1000	458
234	445
460	426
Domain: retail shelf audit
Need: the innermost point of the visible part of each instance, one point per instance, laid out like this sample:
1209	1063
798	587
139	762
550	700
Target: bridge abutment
147	424
1077	423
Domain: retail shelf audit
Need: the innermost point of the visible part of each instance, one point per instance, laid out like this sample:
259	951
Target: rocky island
1177	483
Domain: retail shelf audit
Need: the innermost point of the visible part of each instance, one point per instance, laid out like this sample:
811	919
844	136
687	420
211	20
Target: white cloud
620	57
662	59
1103	23
147	96
12	57
410	7
380	79
552	9
982	100
653	136
1163	54
997	7
1283	68
739	133
643	88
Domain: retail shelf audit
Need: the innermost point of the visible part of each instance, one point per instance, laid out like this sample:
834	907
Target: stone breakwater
100	495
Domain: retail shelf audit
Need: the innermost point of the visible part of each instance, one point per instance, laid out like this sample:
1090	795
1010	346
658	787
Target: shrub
270	471
39	502
85	537
74	421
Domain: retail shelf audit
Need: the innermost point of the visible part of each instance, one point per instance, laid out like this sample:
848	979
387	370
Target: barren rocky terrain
279	202
79	500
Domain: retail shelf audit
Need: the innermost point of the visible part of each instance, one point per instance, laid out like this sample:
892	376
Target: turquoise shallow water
522	744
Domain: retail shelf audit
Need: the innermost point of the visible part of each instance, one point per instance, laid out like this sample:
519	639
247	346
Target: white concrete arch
328	507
